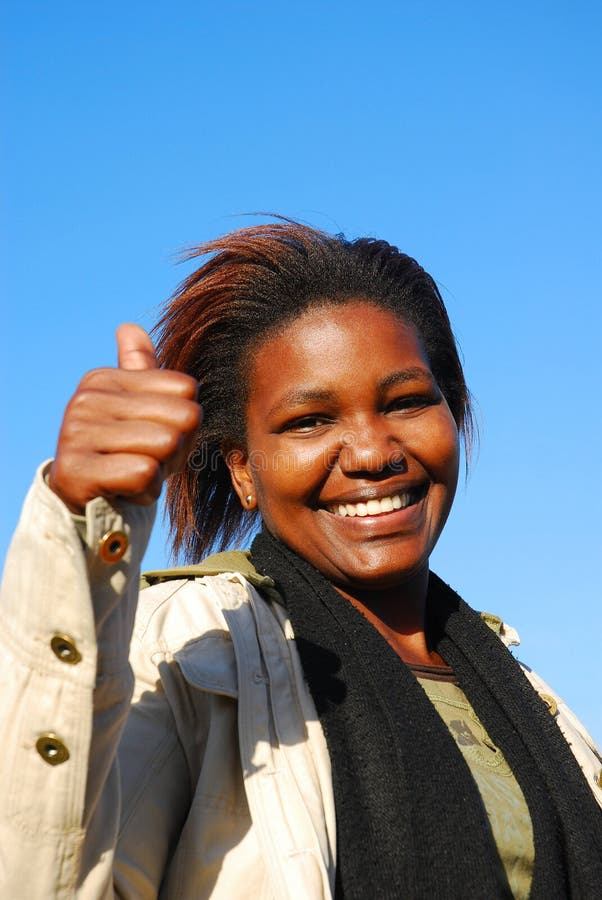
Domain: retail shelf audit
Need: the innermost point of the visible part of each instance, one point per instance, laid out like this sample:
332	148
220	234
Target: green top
502	797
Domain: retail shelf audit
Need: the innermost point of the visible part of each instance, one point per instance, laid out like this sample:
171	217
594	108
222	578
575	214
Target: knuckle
84	397
73	437
191	417
168	443
70	433
94	378
148	470
187	385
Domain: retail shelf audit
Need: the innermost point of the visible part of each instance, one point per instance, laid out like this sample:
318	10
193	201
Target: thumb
135	349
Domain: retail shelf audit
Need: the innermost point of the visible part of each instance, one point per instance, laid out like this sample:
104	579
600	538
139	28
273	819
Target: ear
242	479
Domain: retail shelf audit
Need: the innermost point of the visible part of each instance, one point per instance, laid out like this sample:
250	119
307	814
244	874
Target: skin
125	429
343	407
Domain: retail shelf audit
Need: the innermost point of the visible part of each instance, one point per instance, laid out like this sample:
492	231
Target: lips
381	505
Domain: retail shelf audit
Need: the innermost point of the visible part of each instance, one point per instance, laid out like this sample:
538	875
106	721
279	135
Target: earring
249	499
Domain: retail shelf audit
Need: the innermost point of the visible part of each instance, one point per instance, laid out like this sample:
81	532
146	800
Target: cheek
285	475
435	443
447	456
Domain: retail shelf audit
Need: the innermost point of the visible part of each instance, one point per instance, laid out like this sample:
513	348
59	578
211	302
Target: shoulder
570	725
574	731
177	610
181	636
190	600
186	615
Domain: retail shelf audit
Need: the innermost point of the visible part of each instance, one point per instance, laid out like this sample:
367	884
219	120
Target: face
352	451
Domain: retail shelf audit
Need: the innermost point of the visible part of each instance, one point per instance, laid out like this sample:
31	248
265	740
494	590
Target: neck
399	614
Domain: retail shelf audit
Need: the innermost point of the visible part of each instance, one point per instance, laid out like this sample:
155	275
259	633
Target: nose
370	447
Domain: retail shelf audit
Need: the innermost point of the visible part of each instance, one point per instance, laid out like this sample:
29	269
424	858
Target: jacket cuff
54	584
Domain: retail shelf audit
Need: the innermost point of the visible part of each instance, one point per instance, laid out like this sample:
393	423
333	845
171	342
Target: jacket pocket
209	663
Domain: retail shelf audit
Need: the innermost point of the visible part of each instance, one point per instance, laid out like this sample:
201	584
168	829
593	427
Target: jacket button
51	749
598	778
113	545
64	649
551	703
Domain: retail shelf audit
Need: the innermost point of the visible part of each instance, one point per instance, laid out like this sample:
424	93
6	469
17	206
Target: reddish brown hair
256	280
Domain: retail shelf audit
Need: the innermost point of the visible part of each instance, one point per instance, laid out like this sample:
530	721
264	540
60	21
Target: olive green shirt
502	797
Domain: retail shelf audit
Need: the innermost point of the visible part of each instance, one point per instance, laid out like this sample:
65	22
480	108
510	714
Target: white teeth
373	507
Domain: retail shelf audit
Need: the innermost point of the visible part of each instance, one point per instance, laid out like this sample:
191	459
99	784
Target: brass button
551	703
51	749
598	778
113	545
64	649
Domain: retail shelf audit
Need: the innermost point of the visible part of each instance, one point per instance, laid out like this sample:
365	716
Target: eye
413	402
307	424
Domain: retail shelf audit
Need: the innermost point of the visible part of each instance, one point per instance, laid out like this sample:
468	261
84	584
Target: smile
381	506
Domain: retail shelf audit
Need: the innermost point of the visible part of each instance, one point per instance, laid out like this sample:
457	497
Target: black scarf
410	820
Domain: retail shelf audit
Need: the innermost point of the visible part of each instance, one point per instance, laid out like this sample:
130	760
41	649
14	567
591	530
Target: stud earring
249	499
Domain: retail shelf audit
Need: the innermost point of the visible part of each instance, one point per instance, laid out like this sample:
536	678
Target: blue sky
469	134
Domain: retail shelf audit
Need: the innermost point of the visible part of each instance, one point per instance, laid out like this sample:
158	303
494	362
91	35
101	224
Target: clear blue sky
467	133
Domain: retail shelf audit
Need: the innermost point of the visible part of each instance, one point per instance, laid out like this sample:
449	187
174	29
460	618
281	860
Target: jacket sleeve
67	610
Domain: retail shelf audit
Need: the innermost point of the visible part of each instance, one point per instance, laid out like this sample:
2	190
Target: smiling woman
351	431
321	716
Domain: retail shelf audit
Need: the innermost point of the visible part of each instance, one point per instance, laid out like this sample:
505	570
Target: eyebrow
300	396
414	373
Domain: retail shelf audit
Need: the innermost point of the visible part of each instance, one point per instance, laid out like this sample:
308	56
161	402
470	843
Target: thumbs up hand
125	429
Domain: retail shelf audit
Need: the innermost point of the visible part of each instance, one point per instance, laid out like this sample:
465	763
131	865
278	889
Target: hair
255	281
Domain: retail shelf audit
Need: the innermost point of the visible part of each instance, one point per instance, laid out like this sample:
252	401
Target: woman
323	717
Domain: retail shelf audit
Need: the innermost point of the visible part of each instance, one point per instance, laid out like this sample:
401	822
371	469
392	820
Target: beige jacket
221	784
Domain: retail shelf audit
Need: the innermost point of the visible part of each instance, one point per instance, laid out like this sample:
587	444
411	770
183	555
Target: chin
374	577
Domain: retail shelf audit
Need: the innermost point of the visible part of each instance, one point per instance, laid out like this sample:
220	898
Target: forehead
331	346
